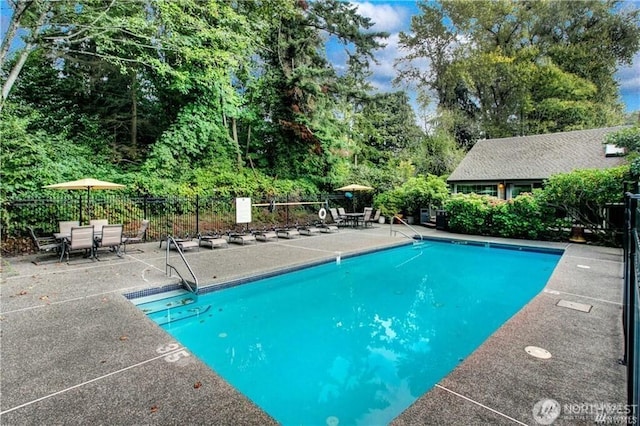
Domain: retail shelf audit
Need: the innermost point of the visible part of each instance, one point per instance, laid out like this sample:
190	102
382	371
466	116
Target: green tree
522	67
296	119
388	127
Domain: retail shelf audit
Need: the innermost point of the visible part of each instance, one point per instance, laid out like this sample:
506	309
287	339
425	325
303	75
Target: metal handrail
168	267
391	231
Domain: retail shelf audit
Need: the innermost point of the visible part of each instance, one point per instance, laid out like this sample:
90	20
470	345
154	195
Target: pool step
158	296
178	313
159	305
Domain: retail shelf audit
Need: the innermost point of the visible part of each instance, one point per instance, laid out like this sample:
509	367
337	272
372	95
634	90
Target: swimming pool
355	342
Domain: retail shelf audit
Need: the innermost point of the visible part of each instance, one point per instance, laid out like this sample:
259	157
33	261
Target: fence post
197	214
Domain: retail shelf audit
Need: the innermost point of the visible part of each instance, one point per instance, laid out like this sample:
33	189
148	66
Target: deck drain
582	307
584	266
538	352
332	421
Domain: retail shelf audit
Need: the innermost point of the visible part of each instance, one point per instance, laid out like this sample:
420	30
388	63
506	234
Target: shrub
520	217
469	213
416	192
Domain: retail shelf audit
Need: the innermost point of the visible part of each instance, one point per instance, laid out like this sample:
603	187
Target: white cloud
629	76
389	17
394	16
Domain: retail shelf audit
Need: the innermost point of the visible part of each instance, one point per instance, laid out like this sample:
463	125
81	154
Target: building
507	167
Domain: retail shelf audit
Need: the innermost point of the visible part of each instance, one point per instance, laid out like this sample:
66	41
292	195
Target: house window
518	189
478	189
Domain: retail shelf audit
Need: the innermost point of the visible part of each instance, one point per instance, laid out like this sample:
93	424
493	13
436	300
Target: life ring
322	213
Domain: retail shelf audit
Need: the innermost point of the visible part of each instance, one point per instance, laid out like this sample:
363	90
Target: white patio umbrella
86	183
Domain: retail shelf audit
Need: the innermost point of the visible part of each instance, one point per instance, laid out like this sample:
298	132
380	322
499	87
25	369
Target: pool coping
105	362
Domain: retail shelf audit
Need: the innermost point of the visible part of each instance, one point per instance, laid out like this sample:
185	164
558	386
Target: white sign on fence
243	210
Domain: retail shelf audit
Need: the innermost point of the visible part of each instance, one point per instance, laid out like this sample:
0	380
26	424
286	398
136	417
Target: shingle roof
535	157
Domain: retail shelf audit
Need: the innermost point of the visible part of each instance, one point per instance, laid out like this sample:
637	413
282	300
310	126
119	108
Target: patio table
353	218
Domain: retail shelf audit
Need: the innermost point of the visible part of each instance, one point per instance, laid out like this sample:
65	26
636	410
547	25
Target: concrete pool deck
74	350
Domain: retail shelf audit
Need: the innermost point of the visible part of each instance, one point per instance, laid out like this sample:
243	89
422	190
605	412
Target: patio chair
138	238
112	238
342	213
45	243
66	225
375	218
81	238
335	216
366	219
98	224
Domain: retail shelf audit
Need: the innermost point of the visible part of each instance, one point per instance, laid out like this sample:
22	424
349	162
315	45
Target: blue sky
394	16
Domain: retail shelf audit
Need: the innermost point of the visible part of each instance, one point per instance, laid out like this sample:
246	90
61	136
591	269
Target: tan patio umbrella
88	184
353	188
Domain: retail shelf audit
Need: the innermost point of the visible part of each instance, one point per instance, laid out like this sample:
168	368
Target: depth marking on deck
595	259
481	405
169	356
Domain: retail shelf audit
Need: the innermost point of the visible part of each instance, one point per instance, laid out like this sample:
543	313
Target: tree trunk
134	111
12	29
15	71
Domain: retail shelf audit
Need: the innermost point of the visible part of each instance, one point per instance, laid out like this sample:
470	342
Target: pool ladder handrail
392	231
191	286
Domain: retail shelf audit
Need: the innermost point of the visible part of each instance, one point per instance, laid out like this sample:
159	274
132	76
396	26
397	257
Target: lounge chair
326	229
139	237
184	243
98	224
241	238
81	238
111	237
287	233
309	230
212	241
266	235
45	243
342	213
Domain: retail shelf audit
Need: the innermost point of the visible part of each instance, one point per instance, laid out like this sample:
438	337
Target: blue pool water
356	342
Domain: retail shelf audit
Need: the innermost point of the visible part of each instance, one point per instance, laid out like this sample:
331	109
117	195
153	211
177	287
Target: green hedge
579	197
521	217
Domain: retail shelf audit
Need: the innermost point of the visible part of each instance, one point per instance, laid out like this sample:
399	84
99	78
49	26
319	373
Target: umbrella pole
88	204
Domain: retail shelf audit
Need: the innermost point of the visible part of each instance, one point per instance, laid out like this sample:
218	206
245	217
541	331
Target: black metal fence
631	307
171	215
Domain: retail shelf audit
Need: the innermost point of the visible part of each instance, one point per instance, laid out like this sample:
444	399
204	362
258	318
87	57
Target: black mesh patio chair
45	244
